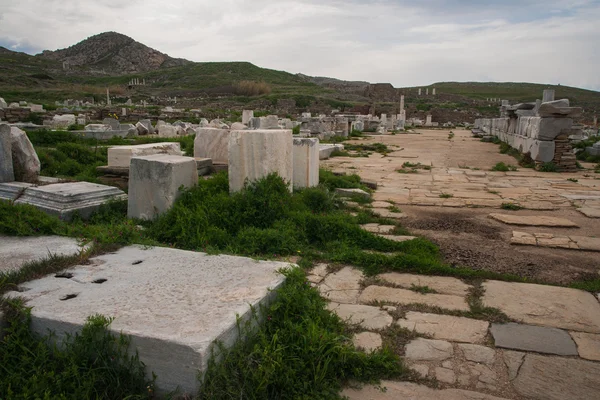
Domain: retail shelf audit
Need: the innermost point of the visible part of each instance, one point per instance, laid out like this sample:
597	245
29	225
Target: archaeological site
173	229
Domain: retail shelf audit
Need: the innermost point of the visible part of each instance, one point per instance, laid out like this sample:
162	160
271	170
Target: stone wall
540	131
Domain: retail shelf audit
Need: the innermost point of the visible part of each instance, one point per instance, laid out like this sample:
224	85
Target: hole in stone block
136	262
99	281
68	297
66	275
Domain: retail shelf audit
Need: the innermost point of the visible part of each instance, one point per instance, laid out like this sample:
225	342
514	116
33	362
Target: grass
407	171
298	351
394	209
548	167
573	180
408	164
366	148
446	196
91	364
511	206
451	136
421	289
503	167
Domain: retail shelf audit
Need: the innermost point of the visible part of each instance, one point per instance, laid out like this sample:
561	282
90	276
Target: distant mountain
113	53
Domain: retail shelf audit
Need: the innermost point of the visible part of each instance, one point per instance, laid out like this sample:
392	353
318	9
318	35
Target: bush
252	88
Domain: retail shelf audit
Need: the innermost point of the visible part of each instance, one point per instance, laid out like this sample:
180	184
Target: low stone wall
535	136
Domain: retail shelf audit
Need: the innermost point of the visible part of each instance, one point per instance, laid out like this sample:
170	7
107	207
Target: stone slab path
551	351
556	241
17	251
533	220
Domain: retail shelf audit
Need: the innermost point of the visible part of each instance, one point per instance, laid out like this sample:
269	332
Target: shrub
252	88
296	130
26	220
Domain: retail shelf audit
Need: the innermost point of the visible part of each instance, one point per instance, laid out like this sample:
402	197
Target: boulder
6	164
3	103
26	163
166	130
203	123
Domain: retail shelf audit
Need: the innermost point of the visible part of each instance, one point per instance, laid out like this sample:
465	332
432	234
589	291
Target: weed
446	195
408	164
511	206
394	209
493	191
450	136
503	167
421	289
407	171
548	167
296	130
573	180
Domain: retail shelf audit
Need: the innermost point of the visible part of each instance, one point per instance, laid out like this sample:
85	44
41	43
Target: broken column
306	162
254	154
212	143
7	173
154	183
428	120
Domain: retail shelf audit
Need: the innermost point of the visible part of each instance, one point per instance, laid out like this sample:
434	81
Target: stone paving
460	168
556	241
550	351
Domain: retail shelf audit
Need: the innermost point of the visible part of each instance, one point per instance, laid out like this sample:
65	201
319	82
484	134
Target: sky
412	43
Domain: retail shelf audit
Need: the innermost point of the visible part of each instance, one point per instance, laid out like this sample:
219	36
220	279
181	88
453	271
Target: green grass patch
296	350
93	364
503	167
548	167
511	206
446	196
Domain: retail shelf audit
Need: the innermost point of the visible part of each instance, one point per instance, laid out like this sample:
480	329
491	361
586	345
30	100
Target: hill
110	59
112	53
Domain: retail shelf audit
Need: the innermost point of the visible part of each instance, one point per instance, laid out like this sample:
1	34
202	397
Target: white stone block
173	304
154	183
212	143
120	156
7	173
306	162
169	131
254	154
542	150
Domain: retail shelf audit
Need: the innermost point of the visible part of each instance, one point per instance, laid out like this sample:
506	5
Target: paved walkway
551	350
459	170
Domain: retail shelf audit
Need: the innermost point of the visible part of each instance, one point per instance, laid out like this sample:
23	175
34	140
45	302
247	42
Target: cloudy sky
406	43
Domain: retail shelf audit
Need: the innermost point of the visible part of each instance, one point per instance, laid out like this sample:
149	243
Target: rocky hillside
112	53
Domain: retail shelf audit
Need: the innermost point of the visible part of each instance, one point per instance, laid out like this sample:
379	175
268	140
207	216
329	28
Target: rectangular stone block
254	154
10	191
120	156
212	143
66	199
306	162
154	183
173	304
247	115
7	173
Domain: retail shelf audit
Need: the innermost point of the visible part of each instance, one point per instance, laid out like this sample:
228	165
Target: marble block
306	162
254	154
120	156
212	143
154	183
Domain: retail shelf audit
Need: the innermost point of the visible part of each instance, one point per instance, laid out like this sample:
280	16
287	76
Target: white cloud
404	43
